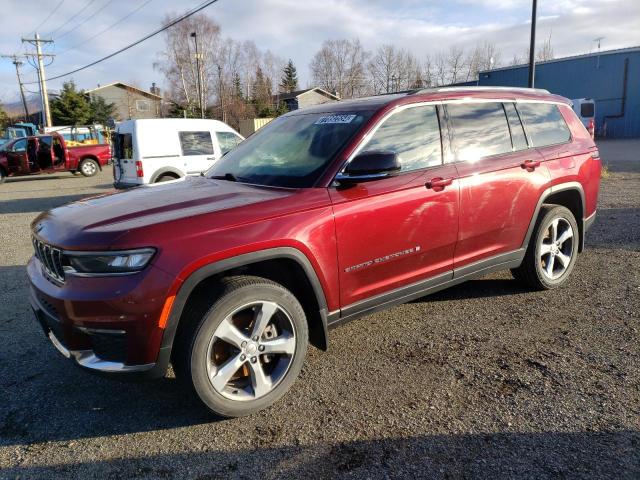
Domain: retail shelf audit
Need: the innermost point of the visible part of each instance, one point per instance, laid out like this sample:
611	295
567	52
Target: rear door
198	151
501	179
397	231
125	170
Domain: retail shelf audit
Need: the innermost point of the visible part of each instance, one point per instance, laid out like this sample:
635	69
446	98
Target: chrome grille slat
50	258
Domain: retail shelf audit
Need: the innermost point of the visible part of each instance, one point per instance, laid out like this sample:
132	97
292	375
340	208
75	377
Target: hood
101	220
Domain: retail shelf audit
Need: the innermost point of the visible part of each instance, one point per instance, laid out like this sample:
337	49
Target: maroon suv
324	215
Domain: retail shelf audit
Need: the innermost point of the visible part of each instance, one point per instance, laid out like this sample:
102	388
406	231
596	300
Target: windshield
291	151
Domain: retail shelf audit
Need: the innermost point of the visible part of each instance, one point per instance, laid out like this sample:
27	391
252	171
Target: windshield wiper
227	176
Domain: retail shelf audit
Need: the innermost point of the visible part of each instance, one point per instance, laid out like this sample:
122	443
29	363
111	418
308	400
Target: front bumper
104	327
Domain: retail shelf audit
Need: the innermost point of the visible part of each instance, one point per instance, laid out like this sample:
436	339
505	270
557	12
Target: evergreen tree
261	95
101	111
72	107
289	81
237	86
4	119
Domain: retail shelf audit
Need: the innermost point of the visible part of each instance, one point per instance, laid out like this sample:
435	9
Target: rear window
479	130
587	110
123	145
227	141
544	124
196	143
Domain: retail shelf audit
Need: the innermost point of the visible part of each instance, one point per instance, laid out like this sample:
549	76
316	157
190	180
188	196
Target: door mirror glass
369	166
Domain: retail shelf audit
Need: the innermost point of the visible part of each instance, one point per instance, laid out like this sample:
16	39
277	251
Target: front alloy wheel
251	351
242	345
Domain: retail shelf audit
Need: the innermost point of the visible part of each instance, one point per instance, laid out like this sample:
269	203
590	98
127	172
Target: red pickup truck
50	154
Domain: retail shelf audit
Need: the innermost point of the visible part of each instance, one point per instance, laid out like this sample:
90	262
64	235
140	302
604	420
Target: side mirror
369	166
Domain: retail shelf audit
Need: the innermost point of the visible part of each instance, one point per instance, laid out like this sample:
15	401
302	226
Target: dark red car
50	154
326	214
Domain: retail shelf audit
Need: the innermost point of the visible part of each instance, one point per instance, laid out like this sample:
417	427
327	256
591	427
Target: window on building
518	138
544	123
413	134
227	141
143	105
587	110
479	130
196	143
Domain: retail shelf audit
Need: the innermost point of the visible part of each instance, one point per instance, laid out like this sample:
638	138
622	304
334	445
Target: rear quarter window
587	110
544	124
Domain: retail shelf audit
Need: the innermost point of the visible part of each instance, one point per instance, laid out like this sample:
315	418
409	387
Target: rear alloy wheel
247	350
552	251
89	167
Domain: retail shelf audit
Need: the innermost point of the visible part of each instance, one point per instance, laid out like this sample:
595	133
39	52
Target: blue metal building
611	78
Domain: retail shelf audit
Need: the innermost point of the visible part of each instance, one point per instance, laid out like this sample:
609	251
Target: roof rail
476	89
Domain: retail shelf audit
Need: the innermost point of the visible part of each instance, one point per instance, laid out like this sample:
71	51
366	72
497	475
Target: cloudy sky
295	29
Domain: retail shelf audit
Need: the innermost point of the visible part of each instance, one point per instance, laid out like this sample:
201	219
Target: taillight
139	171
592	128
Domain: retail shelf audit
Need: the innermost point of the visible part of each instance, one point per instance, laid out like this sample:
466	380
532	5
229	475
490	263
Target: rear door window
196	143
227	141
20	146
518	138
479	130
544	124
413	134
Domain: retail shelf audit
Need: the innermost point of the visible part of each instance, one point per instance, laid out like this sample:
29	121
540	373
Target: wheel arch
161	171
285	265
569	195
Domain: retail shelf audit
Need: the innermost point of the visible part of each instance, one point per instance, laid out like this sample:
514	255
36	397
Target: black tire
193	342
89	167
532	271
165	178
73	172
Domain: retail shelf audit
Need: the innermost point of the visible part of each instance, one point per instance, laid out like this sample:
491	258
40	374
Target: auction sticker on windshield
335	119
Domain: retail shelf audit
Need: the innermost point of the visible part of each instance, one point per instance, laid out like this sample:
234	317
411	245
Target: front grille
51	259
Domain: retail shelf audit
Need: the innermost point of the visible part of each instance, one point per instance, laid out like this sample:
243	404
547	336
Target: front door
501	179
17	158
399	230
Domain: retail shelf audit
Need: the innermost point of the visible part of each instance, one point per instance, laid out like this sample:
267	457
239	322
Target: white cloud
295	29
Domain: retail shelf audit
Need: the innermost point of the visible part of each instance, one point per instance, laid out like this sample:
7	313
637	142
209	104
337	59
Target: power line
72	17
90	17
108	28
143	39
51	13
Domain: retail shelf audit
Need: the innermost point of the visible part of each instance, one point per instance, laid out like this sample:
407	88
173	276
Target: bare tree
546	51
455	64
339	67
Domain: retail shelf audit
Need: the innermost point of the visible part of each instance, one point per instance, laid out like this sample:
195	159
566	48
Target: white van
165	149
585	109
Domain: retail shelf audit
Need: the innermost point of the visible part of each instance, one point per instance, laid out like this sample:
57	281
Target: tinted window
20	146
413	134
587	110
518	138
196	143
292	150
479	130
544	123
227	141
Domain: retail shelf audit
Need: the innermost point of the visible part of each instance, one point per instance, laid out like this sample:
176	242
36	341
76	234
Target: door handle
438	183
211	158
530	165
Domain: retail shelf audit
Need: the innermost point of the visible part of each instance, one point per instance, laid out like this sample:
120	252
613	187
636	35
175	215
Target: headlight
126	261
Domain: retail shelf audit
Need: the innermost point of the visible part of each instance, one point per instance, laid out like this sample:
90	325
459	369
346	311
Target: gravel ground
483	380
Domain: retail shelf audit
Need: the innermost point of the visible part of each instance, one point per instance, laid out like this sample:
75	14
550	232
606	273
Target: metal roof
562	59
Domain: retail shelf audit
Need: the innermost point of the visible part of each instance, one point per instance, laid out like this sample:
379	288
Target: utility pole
17	63
37	41
532	45
195	39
